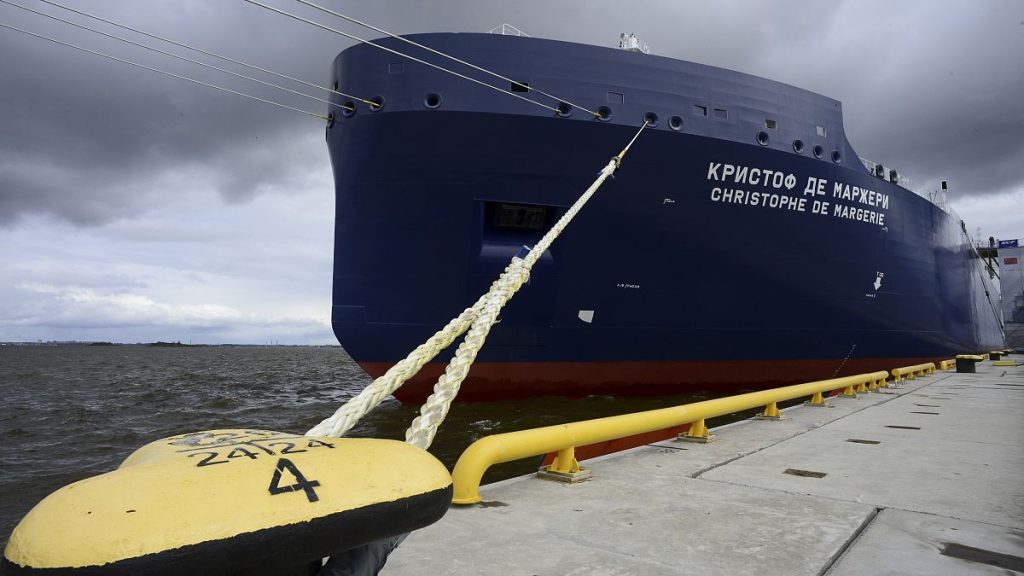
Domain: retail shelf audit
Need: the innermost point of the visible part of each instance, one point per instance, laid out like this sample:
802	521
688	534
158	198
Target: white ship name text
779	197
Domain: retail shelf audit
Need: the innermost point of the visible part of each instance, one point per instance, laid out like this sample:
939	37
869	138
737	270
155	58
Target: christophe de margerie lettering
772	189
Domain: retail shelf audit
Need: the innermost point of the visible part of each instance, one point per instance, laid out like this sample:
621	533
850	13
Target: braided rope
345	417
477	319
423	429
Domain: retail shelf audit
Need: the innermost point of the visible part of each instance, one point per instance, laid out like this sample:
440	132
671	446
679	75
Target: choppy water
70	412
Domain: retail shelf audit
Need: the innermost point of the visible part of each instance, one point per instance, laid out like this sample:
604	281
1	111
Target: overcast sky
135	207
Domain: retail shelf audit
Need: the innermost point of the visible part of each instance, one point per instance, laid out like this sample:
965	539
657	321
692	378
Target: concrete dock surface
925	479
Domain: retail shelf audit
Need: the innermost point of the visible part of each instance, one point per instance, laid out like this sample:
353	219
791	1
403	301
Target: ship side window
699	110
616	98
822	132
721	113
520	87
771	124
396	67
518	217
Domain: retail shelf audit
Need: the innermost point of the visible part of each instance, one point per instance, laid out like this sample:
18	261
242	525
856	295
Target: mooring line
393	51
443	54
475	321
206	52
166	73
172	55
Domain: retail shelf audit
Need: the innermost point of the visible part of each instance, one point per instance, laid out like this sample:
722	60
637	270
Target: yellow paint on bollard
220	501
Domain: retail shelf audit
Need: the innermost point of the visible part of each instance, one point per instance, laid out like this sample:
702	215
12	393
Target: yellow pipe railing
911	372
563	438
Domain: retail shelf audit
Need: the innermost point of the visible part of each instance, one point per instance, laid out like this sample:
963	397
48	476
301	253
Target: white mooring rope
478	319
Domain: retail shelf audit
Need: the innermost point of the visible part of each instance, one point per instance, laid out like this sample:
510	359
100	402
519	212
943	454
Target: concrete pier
925	479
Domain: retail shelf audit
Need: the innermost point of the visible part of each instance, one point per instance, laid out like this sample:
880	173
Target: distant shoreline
162	344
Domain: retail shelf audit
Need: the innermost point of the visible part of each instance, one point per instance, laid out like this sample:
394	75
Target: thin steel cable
981	274
201	51
439	53
172	55
386	49
166	73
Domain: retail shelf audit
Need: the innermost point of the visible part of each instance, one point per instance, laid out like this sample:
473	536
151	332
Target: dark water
70	412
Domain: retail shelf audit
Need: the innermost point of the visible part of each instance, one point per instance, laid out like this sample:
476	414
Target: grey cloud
930	91
87	140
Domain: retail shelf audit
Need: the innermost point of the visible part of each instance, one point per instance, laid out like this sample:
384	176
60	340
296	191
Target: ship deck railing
937	198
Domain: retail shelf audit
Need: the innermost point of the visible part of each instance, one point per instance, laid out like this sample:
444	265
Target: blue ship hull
719	256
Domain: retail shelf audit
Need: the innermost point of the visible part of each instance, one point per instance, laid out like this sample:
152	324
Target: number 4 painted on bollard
300	481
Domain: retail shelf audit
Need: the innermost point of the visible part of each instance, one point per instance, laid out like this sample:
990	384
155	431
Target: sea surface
73	411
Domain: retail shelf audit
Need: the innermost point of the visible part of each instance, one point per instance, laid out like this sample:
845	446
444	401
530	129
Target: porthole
675	123
564	109
432	100
798	146
604	113
348	109
836	156
762	138
378	103
651	119
818	151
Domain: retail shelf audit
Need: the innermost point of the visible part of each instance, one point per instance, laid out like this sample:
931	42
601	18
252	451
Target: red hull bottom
503	381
